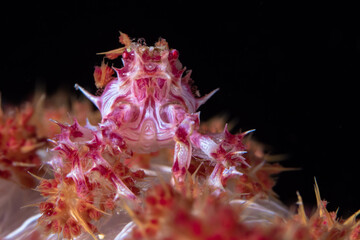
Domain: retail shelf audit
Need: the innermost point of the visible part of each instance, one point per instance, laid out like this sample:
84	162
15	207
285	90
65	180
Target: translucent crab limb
221	173
226	154
215	177
222	154
183	147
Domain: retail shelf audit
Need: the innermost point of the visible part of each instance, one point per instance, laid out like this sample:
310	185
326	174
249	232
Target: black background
289	70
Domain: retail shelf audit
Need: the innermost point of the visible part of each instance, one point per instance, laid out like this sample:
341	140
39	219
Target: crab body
148	99
151	104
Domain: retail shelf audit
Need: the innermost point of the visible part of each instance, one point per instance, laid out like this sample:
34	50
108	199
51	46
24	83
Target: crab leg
187	136
183	147
226	158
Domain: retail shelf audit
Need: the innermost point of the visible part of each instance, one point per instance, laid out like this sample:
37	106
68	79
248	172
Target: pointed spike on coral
76	123
22	164
226	130
193	176
248	131
133	216
95	100
245	163
351	220
239	152
61	125
52	141
76	215
257	167
202	100
30	205
322	209
318	197
301	210
97	209
39	105
27	149
35	176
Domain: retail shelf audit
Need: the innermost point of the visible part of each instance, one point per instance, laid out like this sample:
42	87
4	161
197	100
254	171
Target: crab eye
174	54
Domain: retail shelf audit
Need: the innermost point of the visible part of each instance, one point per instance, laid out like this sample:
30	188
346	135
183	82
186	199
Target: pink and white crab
150	105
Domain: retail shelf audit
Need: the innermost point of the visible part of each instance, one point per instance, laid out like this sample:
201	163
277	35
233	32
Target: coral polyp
18	145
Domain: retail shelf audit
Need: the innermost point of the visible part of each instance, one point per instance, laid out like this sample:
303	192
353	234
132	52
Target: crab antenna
92	98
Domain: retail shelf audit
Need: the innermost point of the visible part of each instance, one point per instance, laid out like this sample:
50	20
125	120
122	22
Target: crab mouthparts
148	130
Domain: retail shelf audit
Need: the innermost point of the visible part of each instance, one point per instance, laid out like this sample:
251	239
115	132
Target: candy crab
150	106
